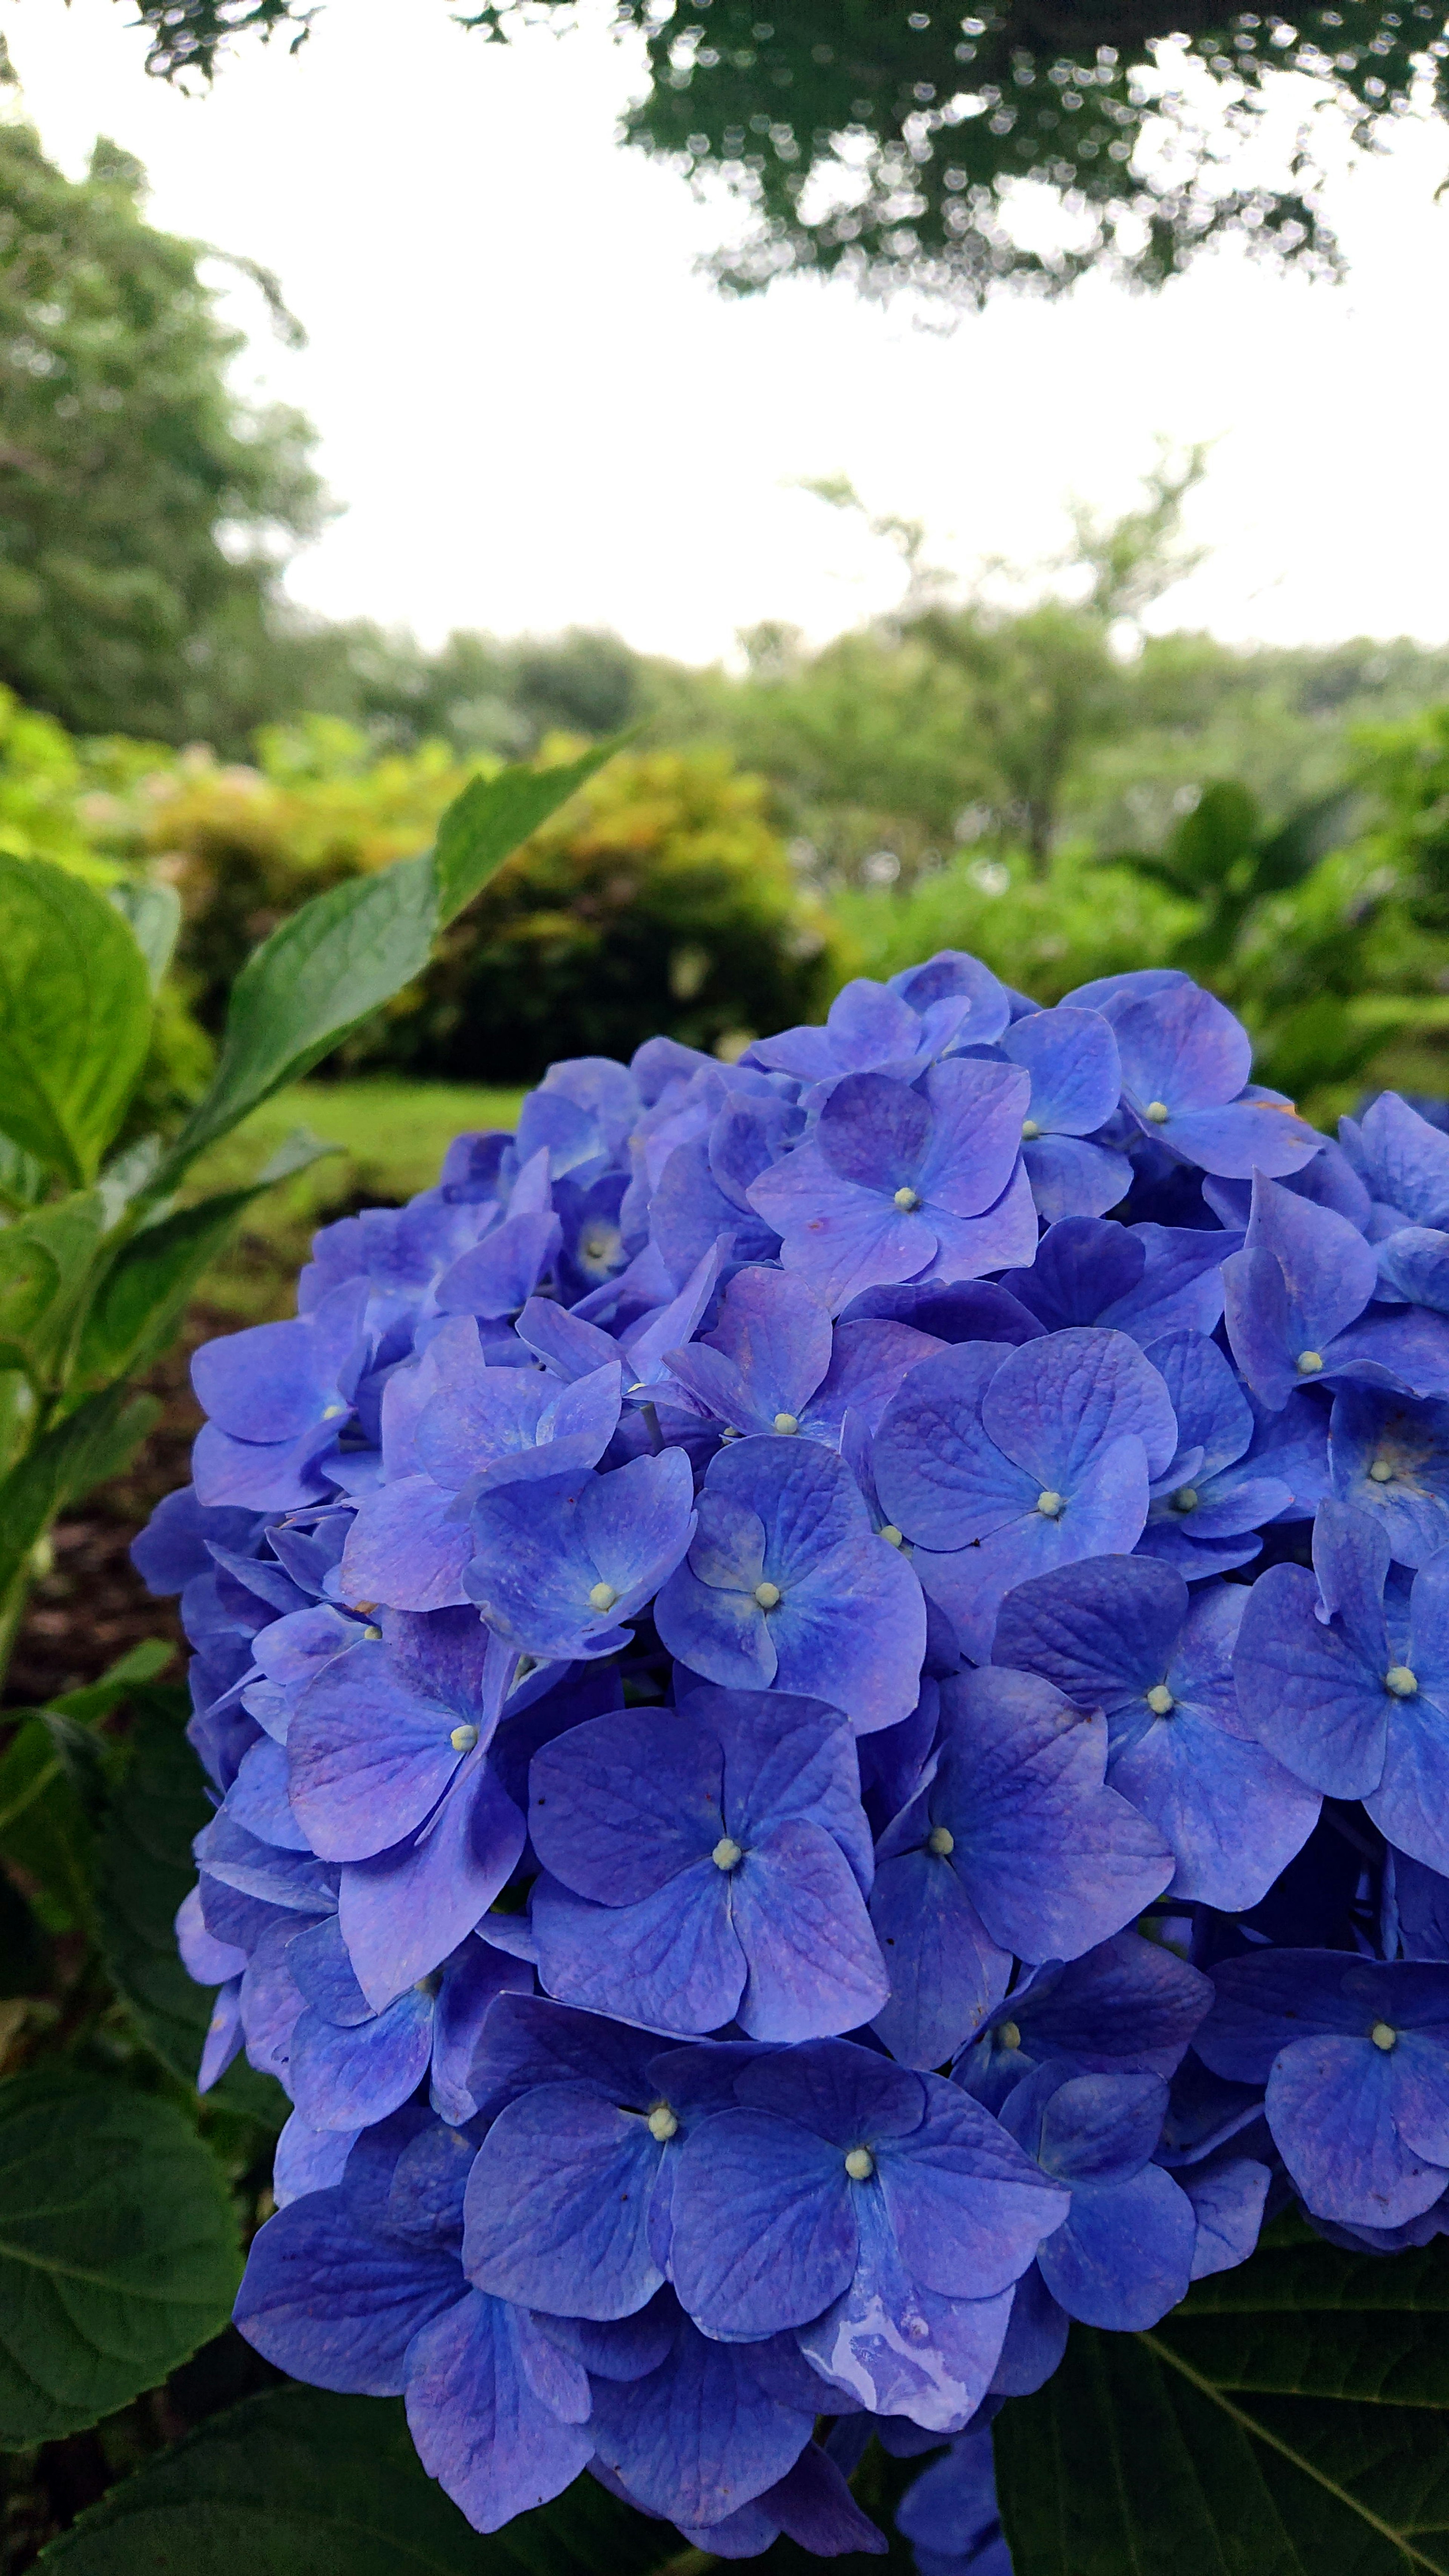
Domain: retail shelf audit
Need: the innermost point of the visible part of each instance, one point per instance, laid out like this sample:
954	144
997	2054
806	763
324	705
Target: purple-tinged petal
621	1805
1232	1814
1228	2196
408	1548
975	1135
481	2429
672	1960
370	1756
967	2206
945	1970
1410	1501
1179	1046
1052	1407
403	1911
308	2159
473	1978
1332	2105
1304	1691
208	1961
1052	1859
1003	1233
335	2307
1410	1806
1125	2255
765	2233
1076	1074
799	1917
900	2349
345	2078
223	2036
1069	1177
1245	1137
1407	1160
1414	1264
557	2206
699	2437
1106	1515
837	1236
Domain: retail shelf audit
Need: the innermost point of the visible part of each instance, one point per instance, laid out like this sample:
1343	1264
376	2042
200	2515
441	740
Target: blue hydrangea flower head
787	1808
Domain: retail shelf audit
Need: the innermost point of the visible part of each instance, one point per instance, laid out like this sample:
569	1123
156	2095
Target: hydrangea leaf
118	2252
144	1292
1289	2417
144	1869
334	963
75	1016
86	1448
299	2478
48	1786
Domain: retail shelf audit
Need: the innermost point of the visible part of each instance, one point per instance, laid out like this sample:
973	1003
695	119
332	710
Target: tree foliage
140	503
885	141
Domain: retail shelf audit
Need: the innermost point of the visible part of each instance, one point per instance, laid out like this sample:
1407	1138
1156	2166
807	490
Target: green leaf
1220	830
29	1280
299	2480
144	1294
45	1269
1289	2419
495	816
50	1789
154	914
75	1016
321	973
144	1869
22	1180
90	1445
349	950
130	1672
118	2251
25	1960
1304	839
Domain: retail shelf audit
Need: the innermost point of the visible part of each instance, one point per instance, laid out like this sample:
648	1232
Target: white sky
539	414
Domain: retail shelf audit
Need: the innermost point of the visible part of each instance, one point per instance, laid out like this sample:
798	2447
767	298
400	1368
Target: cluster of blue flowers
826	1755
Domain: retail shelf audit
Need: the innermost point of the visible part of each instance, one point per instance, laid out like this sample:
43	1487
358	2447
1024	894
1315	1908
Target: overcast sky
539	414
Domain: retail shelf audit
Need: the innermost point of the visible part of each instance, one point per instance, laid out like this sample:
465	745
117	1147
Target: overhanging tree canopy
884	140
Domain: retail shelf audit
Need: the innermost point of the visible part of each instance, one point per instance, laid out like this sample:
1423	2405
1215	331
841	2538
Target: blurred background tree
886	141
143	509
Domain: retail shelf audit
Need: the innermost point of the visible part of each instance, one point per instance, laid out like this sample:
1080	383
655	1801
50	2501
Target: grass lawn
391	1136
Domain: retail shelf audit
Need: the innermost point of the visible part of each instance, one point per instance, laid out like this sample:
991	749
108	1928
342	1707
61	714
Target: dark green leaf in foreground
301	2481
140	1664
91	1444
349	950
25	1960
117	2251
139	1304
50	1788
154	913
1289	2419
75	1016
144	1869
495	816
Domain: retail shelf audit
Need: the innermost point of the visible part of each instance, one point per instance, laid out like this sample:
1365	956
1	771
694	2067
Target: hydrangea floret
825	1682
